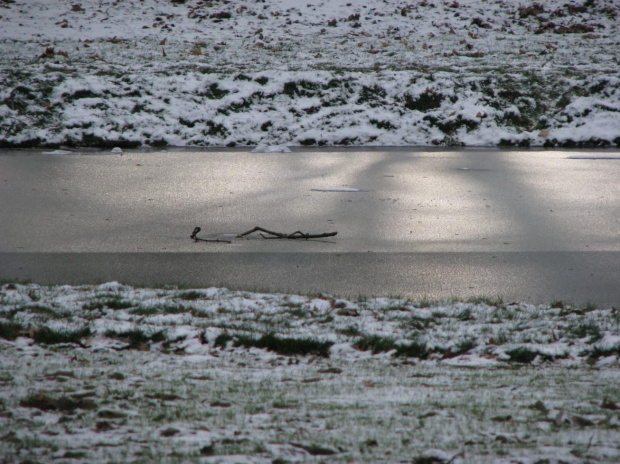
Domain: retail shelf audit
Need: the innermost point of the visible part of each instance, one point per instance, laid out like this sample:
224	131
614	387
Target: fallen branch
228	238
274	235
279	235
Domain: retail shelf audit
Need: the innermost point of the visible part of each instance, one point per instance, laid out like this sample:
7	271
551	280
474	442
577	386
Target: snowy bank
113	373
199	73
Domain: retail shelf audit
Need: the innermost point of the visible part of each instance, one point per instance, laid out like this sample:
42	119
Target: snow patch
271	149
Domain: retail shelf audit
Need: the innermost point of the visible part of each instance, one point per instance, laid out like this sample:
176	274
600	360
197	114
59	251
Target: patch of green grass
451	126
382	124
489	301
34	294
187	123
242	77
214	128
424	102
80	94
301	88
371	95
412	350
599	86
502	313
584	330
282	403
176	309
502	337
285	346
465	315
137	338
9	330
350	331
38	309
464	346
138	108
375	344
522	355
202	313
564	100
157	142
415	323
307	142
589	307
379	344
45	402
599	352
115	302
221	341
20	98
191	295
213	92
347	141
567	310
439	313
49	336
426	302
298	312
145	311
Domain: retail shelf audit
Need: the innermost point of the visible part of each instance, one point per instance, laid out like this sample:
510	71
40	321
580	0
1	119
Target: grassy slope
394	73
114	373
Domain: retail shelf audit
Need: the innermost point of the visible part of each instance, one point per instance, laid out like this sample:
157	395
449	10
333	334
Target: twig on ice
294	235
274	235
196	239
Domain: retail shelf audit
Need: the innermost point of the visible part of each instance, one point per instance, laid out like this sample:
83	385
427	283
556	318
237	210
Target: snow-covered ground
290	72
113	373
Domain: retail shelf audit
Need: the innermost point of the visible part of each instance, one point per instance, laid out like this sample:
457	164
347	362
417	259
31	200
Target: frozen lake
530	225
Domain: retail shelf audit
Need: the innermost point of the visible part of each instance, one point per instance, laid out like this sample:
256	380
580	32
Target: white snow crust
214	375
242	73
